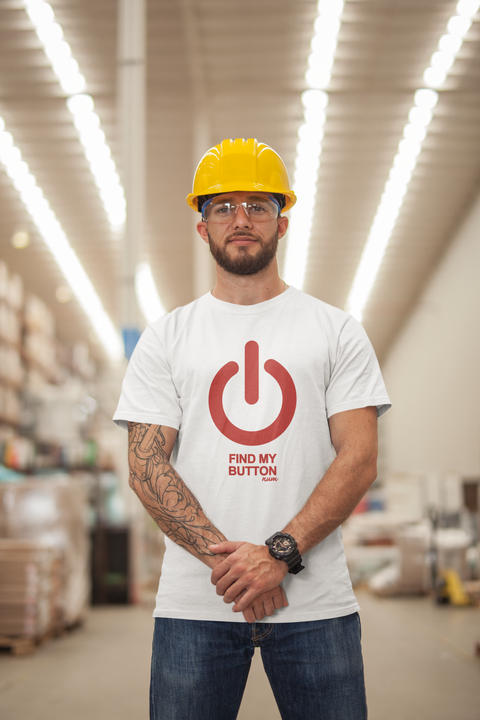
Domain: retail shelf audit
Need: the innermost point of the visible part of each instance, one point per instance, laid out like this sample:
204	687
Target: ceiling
224	68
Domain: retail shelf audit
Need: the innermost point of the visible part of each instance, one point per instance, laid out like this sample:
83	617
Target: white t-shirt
250	389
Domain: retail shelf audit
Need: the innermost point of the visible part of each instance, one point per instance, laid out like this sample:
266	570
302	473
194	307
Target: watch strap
294	562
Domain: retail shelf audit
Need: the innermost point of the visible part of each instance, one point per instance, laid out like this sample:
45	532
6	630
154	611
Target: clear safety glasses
257	209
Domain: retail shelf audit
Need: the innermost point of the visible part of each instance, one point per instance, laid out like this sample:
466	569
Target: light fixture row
99	158
47	224
310	137
406	158
92	138
81	106
450	43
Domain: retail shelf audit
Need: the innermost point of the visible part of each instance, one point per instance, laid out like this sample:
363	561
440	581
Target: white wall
433	369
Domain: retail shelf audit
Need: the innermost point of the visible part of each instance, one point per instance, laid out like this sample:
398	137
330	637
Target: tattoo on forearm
163	493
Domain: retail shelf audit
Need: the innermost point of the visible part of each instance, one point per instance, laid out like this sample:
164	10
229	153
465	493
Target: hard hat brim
290	197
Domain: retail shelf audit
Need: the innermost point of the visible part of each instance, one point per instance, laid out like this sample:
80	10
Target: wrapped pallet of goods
45	521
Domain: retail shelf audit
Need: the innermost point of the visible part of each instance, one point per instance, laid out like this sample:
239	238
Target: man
252	436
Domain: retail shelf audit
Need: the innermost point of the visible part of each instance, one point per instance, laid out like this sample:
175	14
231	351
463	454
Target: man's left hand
247	572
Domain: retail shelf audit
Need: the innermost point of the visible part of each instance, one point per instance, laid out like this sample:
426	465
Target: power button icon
282	377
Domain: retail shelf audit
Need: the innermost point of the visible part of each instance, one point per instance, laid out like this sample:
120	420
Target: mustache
242	234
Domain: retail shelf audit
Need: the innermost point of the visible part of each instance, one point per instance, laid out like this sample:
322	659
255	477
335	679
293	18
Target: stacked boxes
11	371
40	346
30	589
51	567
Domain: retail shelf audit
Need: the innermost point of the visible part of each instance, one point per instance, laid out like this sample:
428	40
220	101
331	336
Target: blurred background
106	107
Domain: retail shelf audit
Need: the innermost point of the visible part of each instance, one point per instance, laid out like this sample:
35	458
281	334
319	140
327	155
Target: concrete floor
419	661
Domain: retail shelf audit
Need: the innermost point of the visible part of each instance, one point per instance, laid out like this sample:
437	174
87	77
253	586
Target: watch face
282	545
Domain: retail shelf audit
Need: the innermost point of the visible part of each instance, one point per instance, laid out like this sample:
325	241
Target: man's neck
248	289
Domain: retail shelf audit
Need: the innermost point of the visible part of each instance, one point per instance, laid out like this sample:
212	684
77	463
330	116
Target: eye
221	208
256	209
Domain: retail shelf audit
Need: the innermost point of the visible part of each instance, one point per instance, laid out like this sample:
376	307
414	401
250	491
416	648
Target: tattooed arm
164	494
176	510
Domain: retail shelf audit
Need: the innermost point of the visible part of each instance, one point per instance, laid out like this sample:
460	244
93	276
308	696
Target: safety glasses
257	209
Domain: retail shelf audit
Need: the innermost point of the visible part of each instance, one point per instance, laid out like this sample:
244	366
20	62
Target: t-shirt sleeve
148	391
355	379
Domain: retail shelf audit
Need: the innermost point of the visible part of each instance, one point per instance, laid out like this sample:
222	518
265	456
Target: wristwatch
282	546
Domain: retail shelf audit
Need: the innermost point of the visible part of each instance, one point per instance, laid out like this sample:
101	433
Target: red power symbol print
273	368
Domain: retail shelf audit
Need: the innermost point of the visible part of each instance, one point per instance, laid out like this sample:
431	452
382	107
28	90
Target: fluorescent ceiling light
405	161
148	297
98	155
310	137
81	106
54	237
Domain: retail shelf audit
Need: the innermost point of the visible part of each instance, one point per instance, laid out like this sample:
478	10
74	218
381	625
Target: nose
241	218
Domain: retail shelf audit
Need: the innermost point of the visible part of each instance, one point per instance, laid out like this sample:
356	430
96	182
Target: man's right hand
265	604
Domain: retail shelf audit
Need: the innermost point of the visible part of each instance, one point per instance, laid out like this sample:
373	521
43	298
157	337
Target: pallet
27	645
19	645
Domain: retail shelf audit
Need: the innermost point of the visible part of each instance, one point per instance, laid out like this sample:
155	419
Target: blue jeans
200	668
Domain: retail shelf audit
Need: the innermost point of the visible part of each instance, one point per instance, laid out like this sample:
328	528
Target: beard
244	263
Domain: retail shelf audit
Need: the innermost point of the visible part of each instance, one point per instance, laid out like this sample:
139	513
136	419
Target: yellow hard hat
241	165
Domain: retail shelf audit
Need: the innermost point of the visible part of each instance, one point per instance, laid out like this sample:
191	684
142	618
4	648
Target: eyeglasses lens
257	210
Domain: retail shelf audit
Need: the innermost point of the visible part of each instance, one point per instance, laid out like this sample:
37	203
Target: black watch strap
294	563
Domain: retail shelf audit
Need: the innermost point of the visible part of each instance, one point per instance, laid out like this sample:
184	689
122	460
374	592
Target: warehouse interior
106	107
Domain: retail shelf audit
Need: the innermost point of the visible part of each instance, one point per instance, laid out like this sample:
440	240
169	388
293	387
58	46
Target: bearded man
250	473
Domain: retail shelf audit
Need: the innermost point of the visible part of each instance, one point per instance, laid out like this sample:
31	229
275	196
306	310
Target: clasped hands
250	578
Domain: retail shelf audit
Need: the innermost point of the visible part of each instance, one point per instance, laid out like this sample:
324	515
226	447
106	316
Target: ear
202	230
282	226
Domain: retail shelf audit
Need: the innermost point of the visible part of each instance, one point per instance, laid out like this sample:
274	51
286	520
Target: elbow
133	482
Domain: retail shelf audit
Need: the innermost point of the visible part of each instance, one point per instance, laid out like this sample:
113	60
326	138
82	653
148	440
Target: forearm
333	500
250	569
175	508
166	497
